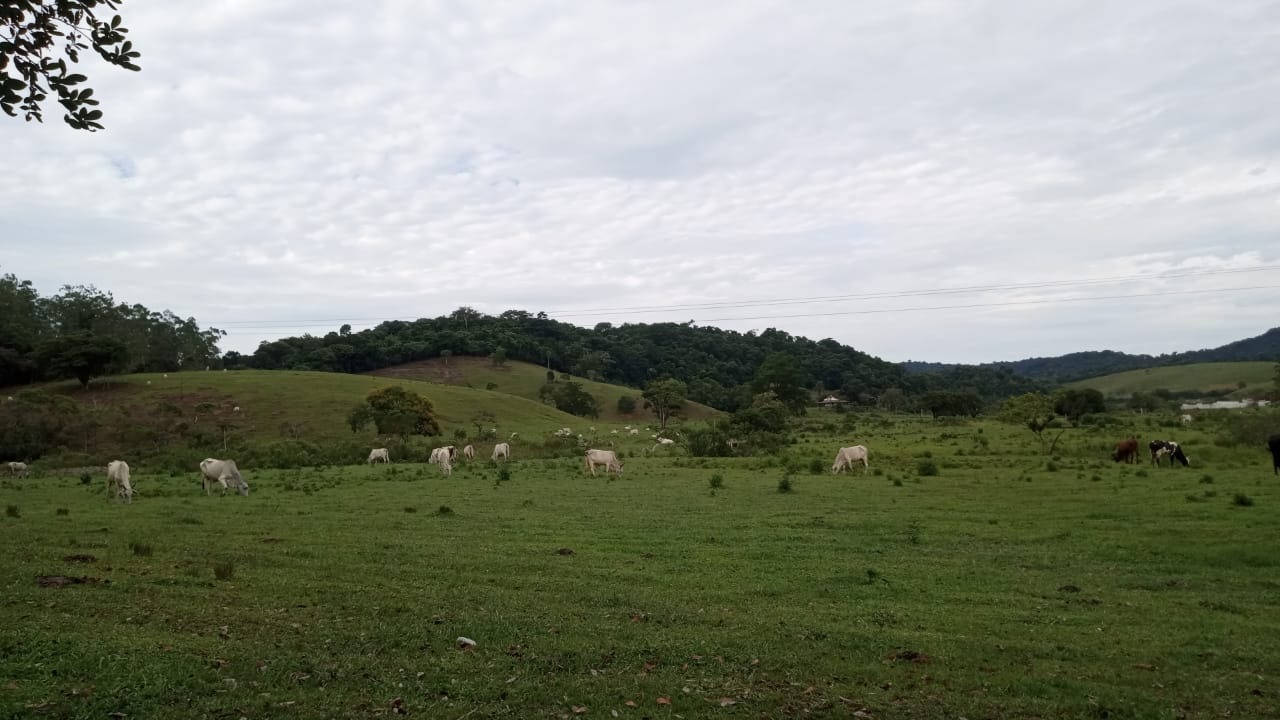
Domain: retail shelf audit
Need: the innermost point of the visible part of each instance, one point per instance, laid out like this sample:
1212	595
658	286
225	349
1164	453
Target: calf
1126	450
1160	448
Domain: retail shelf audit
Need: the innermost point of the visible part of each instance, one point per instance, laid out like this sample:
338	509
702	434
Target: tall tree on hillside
395	411
33	36
781	375
666	398
1033	411
81	355
1075	403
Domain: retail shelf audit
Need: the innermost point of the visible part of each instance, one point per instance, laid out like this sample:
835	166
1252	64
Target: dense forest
82	332
720	367
1081	365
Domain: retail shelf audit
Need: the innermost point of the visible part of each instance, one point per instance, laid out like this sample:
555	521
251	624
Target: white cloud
288	160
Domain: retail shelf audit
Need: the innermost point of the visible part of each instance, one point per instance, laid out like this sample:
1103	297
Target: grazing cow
501	450
224	474
446	465
18	469
118	481
607	458
441	454
563	433
1186	419
846	457
1126	450
379	455
469	452
1160	448
1273	444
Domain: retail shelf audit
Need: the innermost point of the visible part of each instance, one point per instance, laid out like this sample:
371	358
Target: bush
86	479
1051	466
784	485
504	474
444	510
626	404
717	481
12	511
816	467
897	482
926	467
140	550
224	570
62	511
1206	479
1242	500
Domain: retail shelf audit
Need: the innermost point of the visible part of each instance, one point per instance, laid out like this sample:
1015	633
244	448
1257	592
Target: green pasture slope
524	380
1199	377
269	398
1007	586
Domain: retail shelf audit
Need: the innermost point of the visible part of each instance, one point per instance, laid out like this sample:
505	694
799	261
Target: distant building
1225	405
831	401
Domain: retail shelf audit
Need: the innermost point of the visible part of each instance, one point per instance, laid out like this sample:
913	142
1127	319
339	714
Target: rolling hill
524	380
1206	377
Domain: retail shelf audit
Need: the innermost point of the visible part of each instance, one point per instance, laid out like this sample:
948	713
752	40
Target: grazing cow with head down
441	454
1160	448
379	455
224	474
607	458
1126	450
1273	444
501	450
846	457
469	452
18	469
118	481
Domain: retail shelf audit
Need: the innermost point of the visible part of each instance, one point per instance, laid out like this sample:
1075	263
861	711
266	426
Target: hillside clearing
1200	377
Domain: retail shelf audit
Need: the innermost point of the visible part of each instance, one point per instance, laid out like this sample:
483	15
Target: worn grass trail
989	591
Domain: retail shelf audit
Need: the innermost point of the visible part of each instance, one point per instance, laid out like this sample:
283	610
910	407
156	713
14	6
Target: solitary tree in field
395	411
1033	411
81	355
666	399
1075	403
35	35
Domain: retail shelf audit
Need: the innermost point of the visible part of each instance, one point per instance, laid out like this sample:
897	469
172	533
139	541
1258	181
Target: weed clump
1242	500
504	474
1206	479
62	511
12	511
897	482
815	467
716	481
224	570
410	509
926	467
784	485
444	510
140	549
86	479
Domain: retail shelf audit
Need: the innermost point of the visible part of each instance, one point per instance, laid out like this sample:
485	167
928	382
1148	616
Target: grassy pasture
1010	585
1198	377
524	380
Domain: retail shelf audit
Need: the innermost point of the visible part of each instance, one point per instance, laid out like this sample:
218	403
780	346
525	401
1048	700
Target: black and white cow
1160	448
1273	444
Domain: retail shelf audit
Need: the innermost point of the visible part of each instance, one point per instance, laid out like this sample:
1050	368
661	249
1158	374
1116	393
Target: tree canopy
666	399
38	37
394	410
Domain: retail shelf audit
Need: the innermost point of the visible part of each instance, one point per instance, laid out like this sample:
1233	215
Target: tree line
82	332
719	367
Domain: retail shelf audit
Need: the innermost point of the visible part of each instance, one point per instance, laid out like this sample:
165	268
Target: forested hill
719	366
1082	365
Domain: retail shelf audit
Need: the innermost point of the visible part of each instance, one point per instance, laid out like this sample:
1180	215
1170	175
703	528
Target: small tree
445	355
626	404
570	397
498	356
666	398
1075	403
483	419
395	411
1033	411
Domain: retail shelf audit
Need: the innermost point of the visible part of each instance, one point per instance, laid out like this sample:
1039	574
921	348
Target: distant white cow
379	455
118	481
501	450
224	474
441	454
563	433
18	469
662	442
469	452
846	457
607	458
1186	419
633	431
446	465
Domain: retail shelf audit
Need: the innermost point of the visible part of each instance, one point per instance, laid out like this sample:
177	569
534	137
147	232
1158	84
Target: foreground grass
999	588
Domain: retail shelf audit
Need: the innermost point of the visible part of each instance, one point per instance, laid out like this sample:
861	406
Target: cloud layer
319	162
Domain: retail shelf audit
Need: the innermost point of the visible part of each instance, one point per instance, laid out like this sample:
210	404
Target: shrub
444	510
926	467
897	482
504	474
877	472
86	478
1242	500
140	549
626	404
815	467
717	481
63	511
410	509
12	511
1206	479
1051	466
784	485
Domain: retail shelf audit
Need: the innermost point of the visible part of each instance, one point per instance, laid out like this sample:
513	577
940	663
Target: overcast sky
287	166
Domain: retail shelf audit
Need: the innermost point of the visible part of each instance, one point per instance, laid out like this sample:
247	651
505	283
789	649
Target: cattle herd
224	474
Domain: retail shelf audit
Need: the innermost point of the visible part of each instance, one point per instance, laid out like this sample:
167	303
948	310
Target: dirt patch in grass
58	581
80	558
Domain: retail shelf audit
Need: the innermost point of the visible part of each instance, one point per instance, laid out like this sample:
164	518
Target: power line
646	309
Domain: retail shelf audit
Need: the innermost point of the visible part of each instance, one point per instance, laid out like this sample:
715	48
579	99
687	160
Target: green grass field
1200	377
1009	585
524	380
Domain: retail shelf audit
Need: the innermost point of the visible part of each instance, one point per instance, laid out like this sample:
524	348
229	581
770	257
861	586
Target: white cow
633	431
563	433
662	442
607	458
118	481
378	455
1186	419
224	474
18	469
502	450
846	457
441	454
469	452
446	464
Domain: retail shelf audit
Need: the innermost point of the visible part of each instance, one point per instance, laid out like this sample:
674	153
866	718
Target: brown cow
1126	450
